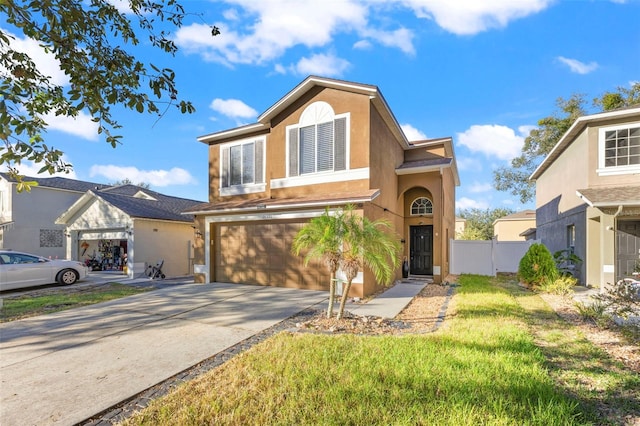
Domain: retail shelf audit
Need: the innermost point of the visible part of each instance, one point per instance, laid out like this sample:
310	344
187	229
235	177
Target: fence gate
486	257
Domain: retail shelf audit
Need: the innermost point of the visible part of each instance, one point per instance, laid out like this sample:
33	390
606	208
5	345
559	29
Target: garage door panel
260	253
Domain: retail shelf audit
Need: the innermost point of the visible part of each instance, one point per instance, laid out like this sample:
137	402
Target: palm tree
322	239
365	243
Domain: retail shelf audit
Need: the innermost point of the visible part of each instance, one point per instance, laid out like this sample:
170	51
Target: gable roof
521	215
264	120
576	128
127	199
57	182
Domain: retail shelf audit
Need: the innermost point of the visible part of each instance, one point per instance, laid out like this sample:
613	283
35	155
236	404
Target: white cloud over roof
233	108
174	176
492	140
578	67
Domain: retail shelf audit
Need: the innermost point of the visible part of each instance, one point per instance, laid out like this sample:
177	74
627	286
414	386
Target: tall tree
515	179
89	39
368	244
541	140
127	181
321	238
479	223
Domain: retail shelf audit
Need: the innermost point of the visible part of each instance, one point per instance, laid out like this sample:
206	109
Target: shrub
594	311
566	261
562	285
537	265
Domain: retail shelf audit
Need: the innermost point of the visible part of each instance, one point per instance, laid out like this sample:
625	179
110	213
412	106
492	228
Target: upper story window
242	167
619	149
318	143
421	206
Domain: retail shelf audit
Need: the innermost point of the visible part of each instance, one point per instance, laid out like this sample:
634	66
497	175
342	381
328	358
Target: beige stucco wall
568	173
156	240
510	230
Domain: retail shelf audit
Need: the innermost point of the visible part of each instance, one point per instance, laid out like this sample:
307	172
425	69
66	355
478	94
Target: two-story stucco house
27	219
588	195
326	143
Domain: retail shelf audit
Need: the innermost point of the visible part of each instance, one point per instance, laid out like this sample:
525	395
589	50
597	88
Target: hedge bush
537	266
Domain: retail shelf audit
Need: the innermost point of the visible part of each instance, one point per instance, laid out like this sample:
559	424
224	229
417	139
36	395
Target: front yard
501	357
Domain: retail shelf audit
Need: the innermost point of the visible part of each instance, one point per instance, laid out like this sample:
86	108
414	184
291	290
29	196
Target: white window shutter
325	146
340	144
224	178
307	149
293	152
259	155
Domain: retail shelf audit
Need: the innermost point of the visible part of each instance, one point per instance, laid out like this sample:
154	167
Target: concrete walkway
66	367
392	301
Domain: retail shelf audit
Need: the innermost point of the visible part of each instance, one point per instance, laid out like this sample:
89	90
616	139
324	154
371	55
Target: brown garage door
260	253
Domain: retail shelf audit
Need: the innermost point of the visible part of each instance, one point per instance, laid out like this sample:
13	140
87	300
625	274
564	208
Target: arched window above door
421	206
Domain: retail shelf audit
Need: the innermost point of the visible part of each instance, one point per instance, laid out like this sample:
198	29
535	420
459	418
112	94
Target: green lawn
28	306
482	367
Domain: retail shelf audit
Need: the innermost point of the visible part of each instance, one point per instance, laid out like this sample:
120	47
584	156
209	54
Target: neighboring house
27	219
461	224
511	227
326	143
144	225
588	195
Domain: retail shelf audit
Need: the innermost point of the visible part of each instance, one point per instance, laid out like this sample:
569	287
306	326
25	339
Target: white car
19	270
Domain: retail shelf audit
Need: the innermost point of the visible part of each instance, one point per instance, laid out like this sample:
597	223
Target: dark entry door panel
628	245
421	250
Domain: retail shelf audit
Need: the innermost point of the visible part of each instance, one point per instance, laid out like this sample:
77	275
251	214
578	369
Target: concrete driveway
66	367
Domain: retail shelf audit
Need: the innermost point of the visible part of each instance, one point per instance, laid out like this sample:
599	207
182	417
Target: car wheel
67	277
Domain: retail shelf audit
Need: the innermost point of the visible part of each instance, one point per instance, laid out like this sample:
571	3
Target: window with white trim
619	149
421	206
318	143
242	167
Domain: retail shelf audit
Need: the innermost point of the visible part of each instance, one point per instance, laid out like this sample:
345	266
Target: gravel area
610	340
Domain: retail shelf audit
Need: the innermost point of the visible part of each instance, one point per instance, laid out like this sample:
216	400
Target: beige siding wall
568	173
171	241
510	230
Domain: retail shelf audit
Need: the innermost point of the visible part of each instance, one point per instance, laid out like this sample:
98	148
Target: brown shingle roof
611	196
292	202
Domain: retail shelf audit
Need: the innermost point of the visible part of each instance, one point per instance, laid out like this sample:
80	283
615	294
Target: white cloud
479	187
326	65
412	133
45	62
362	45
233	108
468	17
175	176
81	126
492	141
273	27
401	38
467	203
577	66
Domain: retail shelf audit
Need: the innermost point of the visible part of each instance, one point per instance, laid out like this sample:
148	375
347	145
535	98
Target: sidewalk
390	303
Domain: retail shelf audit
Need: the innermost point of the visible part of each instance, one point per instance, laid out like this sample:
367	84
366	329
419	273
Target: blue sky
482	72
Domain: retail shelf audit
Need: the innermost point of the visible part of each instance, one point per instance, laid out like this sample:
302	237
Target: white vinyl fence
486	257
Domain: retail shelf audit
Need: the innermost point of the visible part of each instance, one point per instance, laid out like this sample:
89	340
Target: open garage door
260	253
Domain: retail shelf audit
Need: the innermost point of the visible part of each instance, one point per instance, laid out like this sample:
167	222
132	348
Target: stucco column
607	250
